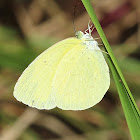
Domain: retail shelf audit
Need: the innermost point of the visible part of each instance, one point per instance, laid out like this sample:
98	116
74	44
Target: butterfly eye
79	34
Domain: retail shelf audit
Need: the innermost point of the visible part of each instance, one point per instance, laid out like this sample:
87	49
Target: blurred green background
28	27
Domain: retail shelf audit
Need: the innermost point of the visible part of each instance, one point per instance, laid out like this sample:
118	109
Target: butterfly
71	75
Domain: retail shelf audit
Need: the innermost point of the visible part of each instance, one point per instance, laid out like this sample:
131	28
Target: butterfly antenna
74	13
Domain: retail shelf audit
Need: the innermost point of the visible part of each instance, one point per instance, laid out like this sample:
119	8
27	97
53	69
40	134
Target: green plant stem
130	108
91	13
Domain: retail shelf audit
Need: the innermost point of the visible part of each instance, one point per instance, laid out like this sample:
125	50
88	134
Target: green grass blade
130	108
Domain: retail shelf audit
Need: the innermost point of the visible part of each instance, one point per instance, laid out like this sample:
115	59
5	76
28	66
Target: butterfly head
81	35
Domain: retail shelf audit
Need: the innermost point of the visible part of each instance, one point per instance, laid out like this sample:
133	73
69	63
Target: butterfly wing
35	84
82	78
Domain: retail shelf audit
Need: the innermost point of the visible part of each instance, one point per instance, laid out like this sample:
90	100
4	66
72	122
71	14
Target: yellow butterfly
71	75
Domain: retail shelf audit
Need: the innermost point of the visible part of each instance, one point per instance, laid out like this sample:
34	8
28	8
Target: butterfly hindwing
82	79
